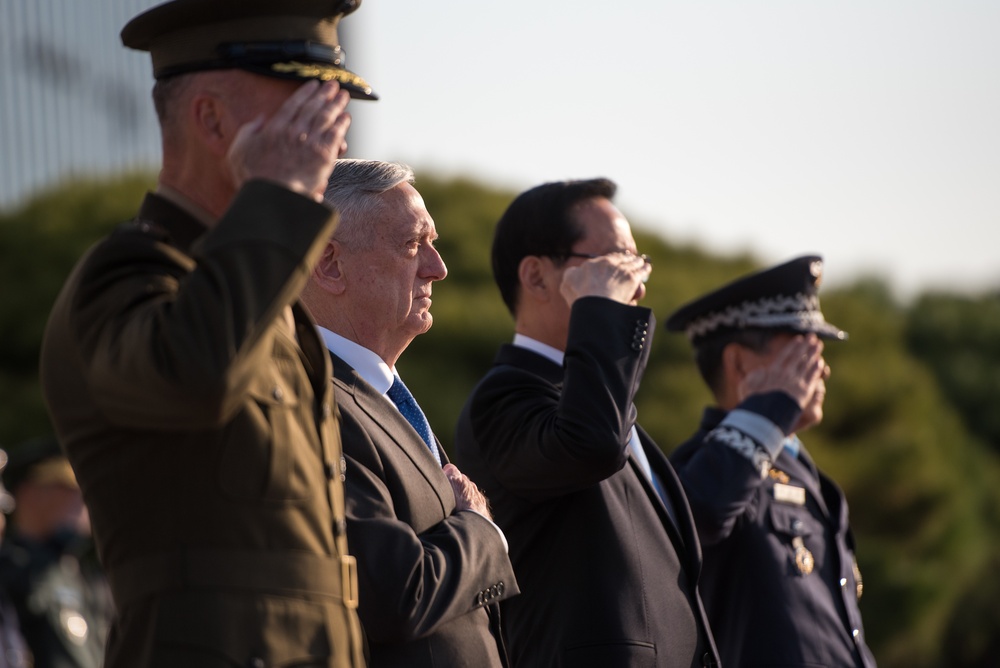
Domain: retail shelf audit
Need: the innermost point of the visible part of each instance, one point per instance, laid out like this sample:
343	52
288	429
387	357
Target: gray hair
354	190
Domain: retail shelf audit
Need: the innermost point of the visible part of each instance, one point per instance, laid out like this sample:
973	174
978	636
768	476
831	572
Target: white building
73	101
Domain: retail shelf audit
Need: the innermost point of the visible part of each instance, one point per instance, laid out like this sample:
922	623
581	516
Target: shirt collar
543	349
372	369
793	445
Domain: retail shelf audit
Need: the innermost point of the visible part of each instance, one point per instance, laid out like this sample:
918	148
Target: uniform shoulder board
145	227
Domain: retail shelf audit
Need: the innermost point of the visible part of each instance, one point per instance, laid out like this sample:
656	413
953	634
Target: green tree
39	244
958	337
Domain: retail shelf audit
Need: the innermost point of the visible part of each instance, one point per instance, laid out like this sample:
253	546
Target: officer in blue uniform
780	580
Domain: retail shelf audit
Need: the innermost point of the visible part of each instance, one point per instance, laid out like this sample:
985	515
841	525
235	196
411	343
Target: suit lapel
393	426
683	531
441	450
684	537
654	498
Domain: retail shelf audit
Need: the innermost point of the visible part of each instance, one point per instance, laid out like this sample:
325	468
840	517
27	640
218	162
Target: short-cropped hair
540	222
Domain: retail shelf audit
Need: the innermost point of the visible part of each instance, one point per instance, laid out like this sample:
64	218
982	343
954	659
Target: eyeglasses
593	256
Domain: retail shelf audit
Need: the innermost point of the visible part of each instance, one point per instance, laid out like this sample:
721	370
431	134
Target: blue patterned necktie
407	405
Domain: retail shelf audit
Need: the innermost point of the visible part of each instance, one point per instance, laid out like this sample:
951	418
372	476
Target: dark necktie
635	445
407	405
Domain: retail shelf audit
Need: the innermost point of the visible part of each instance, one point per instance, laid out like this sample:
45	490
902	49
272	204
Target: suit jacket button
277	394
256	662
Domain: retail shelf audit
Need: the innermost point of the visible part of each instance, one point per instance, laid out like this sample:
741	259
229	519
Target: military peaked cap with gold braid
782	297
290	39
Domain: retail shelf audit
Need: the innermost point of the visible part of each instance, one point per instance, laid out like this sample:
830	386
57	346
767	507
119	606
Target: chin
809	418
421	322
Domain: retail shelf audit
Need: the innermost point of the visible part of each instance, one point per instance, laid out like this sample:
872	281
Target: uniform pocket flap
791	520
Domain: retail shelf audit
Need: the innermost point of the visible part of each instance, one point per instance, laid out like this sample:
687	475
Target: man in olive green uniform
188	387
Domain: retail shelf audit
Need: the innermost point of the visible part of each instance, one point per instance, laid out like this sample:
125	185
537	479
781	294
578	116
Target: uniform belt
299	574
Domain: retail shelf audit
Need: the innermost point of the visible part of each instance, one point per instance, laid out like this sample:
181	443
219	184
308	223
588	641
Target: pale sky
867	131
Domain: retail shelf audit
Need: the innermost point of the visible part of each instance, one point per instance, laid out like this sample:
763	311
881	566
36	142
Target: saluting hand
299	145
617	276
798	369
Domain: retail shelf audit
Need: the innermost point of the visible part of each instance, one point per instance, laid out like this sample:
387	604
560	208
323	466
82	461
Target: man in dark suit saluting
431	563
601	536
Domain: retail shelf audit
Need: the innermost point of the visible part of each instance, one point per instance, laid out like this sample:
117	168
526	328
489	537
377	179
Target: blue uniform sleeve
723	470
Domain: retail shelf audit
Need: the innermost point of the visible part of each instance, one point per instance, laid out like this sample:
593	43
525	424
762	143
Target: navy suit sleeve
722	469
414	578
542	439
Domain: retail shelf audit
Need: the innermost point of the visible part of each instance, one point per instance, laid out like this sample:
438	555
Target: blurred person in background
13	650
47	562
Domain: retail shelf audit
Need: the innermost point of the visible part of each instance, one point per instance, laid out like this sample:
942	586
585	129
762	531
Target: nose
433	266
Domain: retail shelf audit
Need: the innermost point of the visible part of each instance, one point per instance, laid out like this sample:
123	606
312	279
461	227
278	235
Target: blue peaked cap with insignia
288	39
782	297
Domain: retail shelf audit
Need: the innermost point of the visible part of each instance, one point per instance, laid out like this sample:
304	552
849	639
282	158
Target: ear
211	122
734	363
733	369
329	271
532	273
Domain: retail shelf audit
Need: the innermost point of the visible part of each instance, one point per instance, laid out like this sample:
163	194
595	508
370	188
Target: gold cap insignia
323	73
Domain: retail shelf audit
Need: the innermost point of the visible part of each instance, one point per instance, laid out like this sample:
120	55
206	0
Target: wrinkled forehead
405	211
